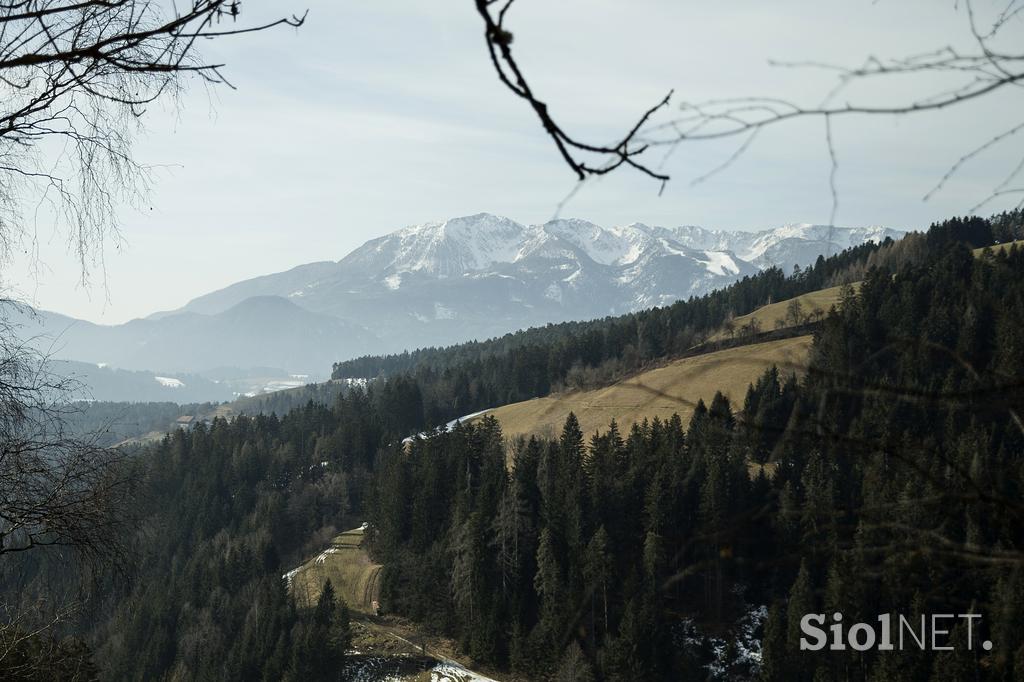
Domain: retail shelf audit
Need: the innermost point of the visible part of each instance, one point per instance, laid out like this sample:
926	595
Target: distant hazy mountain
259	332
441	283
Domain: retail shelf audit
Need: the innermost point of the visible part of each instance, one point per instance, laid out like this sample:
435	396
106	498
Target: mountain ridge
485	244
259	332
443	282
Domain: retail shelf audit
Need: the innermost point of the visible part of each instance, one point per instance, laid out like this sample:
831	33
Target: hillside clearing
1000	247
355	577
383	647
661	392
773	315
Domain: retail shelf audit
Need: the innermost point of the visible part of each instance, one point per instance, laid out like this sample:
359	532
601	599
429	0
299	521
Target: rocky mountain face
444	282
784	246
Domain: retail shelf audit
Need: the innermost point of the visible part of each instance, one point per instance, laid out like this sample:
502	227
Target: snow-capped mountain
443	282
483	275
784	246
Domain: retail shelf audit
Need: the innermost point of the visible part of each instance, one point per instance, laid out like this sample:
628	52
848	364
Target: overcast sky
377	115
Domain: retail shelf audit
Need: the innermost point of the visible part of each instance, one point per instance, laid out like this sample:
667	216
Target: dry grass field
355	578
766	316
1001	247
675	387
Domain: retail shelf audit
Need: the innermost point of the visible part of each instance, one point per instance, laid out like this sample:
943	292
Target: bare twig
625	152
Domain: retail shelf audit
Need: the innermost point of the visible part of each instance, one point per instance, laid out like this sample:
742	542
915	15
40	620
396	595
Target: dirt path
371	590
452	667
391	648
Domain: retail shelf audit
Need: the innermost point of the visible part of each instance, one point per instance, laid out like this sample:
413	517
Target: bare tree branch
993	64
76	77
625	152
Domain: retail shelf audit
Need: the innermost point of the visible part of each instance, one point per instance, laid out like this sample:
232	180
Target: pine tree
574	666
341	639
598	573
775	654
800	603
549	586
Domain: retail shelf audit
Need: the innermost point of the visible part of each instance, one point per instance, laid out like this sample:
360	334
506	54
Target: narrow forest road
392	649
454	669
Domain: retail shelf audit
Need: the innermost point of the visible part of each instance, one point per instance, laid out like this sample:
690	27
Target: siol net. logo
890	633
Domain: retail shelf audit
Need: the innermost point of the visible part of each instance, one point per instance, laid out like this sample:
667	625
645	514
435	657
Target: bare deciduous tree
76	78
58	490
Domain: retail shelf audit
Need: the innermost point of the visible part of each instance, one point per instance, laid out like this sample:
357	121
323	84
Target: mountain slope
662	392
479	276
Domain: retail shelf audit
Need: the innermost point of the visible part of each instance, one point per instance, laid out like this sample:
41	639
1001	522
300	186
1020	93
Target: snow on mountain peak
449	248
479	275
720	263
615	246
480	242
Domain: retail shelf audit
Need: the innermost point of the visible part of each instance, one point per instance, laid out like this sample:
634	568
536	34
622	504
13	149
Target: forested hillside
896	489
113	422
227	510
894	484
469	377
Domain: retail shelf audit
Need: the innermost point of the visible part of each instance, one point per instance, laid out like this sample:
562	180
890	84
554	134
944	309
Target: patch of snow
367	667
736	658
170	382
289	575
281	385
322	557
101	365
720	263
393	282
447	427
449	671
